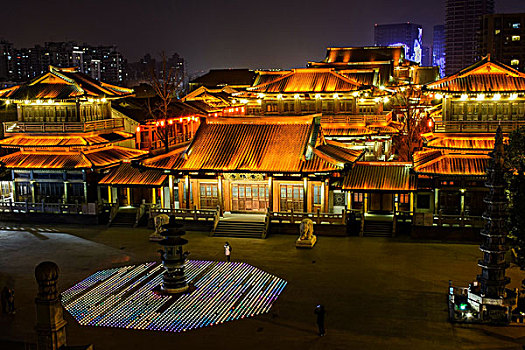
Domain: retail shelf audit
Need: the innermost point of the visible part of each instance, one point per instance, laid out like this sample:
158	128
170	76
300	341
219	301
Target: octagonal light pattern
124	297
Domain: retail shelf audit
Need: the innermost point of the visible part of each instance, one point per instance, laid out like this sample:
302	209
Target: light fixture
317	96
496	97
480	97
464	97
280	96
7	102
296	96
438	96
336	95
513	96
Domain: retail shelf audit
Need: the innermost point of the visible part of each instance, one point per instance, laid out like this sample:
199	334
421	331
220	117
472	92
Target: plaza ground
378	293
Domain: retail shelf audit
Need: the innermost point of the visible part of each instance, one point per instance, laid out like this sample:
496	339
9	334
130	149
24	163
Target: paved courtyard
378	293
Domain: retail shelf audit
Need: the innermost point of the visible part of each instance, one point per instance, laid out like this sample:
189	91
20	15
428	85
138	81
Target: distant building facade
140	72
438	49
503	37
462	27
407	34
103	63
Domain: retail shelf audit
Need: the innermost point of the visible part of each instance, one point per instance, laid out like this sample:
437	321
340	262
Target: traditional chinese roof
463	141
127	175
308	80
345	55
63	84
380	176
258	144
362	76
63	159
107	156
339	152
46	160
454	165
264	76
41	141
485	75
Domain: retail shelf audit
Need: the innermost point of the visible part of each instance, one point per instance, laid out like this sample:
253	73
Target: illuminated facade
64	139
251	164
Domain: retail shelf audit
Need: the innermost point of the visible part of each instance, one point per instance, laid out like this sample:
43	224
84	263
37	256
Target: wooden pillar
188	191
110	200
154	195
128	194
162	201
270	192
220	194
365	202
305	194
172	194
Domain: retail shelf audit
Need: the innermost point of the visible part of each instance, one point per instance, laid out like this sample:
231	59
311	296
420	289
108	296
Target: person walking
319	311
227	251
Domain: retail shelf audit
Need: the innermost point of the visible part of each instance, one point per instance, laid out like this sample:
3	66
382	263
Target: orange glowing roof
127	175
41	141
471	142
64	84
63	159
484	76
259	144
380	176
46	160
454	165
339	152
308	80
107	156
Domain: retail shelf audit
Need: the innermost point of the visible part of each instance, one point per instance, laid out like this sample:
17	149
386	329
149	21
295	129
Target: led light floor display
124	297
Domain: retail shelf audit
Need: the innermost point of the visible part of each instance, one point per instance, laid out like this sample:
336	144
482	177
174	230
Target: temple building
251	164
64	139
480	98
450	168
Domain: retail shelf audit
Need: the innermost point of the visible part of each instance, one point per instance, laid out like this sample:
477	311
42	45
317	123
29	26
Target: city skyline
219	34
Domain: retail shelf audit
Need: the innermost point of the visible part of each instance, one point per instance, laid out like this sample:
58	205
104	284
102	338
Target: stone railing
26	127
49	208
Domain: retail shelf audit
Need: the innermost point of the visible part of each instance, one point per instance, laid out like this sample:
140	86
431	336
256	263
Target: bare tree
167	83
408	105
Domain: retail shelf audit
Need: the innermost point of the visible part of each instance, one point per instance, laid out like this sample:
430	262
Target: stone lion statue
306	229
159	220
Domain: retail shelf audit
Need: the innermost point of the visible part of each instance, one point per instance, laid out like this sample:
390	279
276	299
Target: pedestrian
319	311
227	251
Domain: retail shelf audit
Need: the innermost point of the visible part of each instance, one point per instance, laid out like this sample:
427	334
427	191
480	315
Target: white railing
49	208
23	127
185	214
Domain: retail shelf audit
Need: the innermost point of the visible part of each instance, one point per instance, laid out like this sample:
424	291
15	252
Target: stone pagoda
487	300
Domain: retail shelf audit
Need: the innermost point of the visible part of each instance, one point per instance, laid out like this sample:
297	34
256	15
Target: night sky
219	33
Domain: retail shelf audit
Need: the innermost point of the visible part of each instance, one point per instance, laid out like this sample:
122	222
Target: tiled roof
33	141
63	84
62	159
107	156
258	144
362	76
471	142
380	176
170	160
337	129
46	160
339	152
483	76
127	175
454	164
308	80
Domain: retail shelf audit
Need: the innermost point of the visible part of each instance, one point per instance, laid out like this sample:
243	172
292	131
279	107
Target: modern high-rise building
462	32
438	49
408	34
503	37
104	63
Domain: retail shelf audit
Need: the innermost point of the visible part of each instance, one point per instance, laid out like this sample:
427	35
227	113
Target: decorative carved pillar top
46	274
